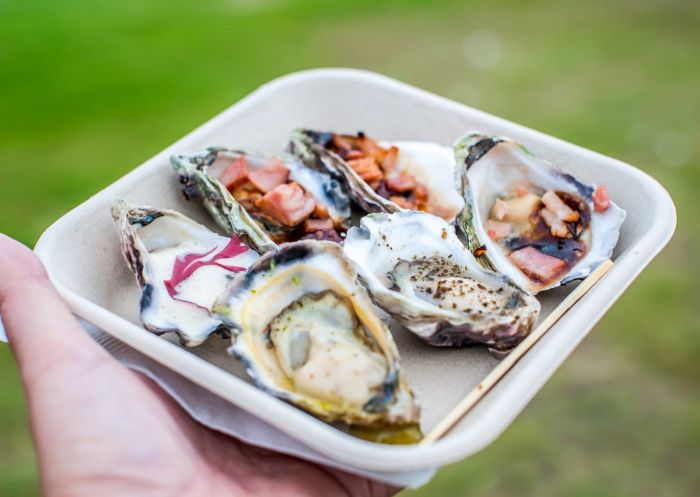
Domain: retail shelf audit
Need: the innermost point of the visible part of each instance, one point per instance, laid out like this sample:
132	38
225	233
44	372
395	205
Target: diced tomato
403	202
497	229
287	203
269	177
559	208
403	183
521	190
601	200
314	225
367	169
235	173
537	265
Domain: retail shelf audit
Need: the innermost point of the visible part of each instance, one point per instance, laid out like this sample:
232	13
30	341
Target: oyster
385	176
264	199
308	334
181	266
528	219
418	271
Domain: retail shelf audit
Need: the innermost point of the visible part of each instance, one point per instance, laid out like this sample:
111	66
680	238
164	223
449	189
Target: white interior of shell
433	165
164	240
384	240
325	379
507	164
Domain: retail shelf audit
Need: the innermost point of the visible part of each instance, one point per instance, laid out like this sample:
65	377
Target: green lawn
88	90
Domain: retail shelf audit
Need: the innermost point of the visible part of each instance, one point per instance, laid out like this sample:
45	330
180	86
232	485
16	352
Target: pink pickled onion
186	265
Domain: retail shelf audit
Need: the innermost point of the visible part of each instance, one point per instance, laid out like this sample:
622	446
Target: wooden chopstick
466	404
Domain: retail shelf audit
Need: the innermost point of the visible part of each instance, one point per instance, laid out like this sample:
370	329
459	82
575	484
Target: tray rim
314	433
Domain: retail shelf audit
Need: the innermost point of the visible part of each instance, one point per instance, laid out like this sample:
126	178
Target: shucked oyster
308	334
385	176
528	219
264	199
181	266
417	270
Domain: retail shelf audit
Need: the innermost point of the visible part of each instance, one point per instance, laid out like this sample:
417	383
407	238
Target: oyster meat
418	271
265	199
181	267
307	333
528	219
385	176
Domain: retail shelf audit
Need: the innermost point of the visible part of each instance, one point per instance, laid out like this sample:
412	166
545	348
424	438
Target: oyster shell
528	219
181	266
308	334
245	192
384	176
418	271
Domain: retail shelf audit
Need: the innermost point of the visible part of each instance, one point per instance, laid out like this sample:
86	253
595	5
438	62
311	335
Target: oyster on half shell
528	219
181	267
264	199
418	271
384	176
308	334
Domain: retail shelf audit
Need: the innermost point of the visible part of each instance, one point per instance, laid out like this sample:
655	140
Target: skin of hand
101	429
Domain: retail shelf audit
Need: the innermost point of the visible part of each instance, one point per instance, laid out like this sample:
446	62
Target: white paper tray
81	253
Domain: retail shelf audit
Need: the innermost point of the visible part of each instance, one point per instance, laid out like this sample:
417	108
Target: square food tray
81	253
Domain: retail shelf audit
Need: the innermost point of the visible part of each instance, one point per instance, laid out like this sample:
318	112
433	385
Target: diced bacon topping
552	201
313	225
497	229
246	194
421	193
389	161
500	209
287	204
370	147
375	163
341	142
403	202
556	226
403	183
367	169
331	235
269	177
321	211
235	173
601	200
537	265
354	154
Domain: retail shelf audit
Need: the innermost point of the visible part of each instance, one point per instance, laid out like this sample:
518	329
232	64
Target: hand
101	429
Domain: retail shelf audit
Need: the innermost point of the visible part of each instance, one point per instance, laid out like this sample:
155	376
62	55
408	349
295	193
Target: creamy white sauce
201	288
336	366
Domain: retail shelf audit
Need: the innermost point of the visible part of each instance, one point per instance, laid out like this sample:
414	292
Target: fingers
43	333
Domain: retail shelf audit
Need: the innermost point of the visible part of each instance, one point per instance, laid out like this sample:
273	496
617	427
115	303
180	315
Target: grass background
88	90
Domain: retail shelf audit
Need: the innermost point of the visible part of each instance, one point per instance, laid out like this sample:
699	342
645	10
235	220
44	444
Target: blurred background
89	90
